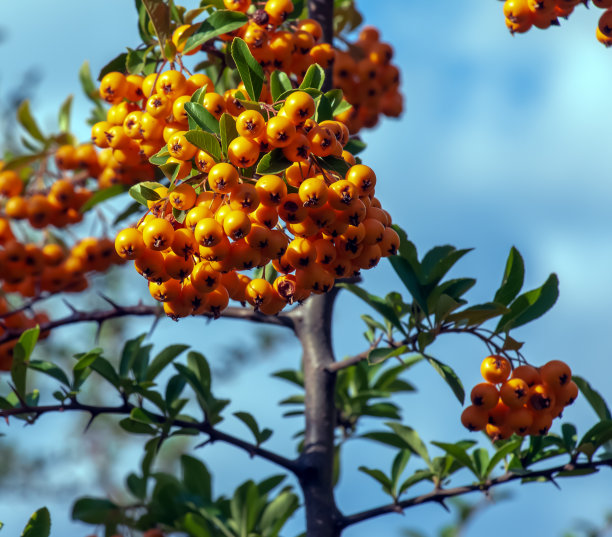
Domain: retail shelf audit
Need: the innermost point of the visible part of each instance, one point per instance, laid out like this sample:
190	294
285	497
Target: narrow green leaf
95	510
104	368
196	477
205	141
27	121
63	118
103	195
137	427
377	303
531	305
202	117
279	83
251	72
314	77
501	453
324	109
250	422
355	146
219	22
161	157
597	402
381	354
39	524
460	454
227	128
87	83
379	476
512	281
411	440
164	358
449	376
49	369
159	13
334	164
478	314
273	162
131	209
116	64
410	279
145	191
277	512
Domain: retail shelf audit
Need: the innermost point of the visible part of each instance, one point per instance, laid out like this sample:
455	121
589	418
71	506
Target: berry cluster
369	81
364	70
332	224
523	400
522	15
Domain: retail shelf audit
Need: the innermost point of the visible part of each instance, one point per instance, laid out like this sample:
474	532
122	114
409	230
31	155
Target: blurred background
503	141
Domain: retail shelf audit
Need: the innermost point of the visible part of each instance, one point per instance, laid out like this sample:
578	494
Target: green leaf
137	486
323	111
137	427
220	22
460	454
133	208
279	84
411	440
63	118
377	303
145	191
397	468
597	435
49	369
103	195
570	436
314	77
417	477
512	282
205	141
480	457
251	423
505	450
104	368
95	510
196	477
39	524
27	121
334	164
87	83
19	162
161	157
438	261
410	279
379	476
202	117
227	128
159	13
478	314
381	354
594	398
251	72
116	64
27	342
273	162
387	438
164	358
530	305
355	146
449	376
277	512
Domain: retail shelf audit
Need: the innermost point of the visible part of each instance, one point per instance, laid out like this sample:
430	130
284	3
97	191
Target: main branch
126	408
438	496
141	310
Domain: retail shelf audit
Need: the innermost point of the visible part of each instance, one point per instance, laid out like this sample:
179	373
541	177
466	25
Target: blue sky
504	141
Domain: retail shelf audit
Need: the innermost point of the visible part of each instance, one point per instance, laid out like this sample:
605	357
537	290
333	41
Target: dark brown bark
313	327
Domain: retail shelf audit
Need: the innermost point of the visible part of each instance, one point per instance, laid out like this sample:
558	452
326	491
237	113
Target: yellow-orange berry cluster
314	224
364	70
369	81
524	400
522	15
59	205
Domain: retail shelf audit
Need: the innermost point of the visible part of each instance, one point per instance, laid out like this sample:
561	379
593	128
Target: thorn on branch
70	306
205	443
110	301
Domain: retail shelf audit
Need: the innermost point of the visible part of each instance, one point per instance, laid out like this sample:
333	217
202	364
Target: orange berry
495	369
